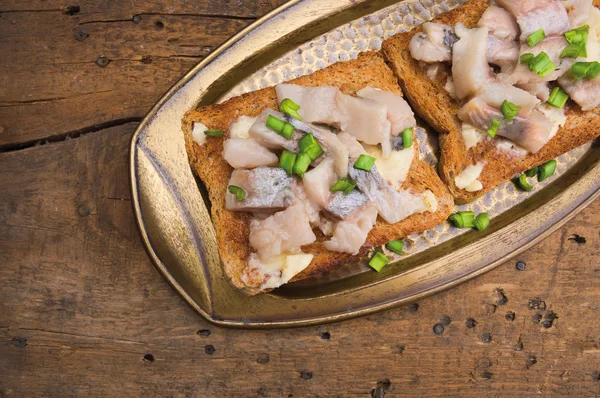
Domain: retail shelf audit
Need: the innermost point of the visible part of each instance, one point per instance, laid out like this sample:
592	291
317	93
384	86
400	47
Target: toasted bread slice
432	102
233	228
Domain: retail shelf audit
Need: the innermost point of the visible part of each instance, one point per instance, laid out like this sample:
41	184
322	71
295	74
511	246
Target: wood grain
83	312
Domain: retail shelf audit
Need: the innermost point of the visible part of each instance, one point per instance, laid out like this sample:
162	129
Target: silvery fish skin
343	206
393	206
270	139
330	142
267	189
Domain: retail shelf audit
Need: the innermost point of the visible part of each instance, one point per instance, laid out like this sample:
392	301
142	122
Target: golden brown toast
432	102
233	228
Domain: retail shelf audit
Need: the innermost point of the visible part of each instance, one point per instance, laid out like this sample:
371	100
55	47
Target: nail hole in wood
325	336
306	375
158	25
580	240
71	10
19	341
263	359
103	61
149	358
209	349
414	307
80	34
136	19
203	332
83	211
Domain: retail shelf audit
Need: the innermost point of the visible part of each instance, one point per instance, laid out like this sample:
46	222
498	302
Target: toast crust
432	102
233	228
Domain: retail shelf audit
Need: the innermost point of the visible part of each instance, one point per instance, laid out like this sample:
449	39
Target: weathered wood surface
83	312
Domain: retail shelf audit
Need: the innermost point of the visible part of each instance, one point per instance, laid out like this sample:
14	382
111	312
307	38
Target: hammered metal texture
368	33
174	217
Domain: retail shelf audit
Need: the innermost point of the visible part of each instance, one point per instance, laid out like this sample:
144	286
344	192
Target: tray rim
334	317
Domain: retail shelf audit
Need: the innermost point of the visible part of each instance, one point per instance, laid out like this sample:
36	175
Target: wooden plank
128	8
59	88
81	305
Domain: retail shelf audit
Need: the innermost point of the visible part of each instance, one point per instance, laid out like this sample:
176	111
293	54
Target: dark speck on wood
263	359
380	390
596	376
80	34
537	318
500	297
203	332
306	375
510	316
471	323
486	338
71	10
580	240
521	265
19	341
519	346
531	360
486	375
537	304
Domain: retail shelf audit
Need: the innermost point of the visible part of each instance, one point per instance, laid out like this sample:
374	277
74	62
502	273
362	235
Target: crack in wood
80	335
70	135
44	100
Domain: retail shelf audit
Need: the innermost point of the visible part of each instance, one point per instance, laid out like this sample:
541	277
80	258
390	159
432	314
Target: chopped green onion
509	110
311	146
546	170
365	162
579	35
395	246
523	183
279	126
594	70
287	160
532	172
275	124
378	261
239	193
558	98
571	51
407	138
344	185
302	163
463	219
590	70
288	131
536	37
214	133
542	65
494	128
290	108
526	58
482	222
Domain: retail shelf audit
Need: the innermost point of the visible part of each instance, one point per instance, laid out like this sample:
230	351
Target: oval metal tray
295	39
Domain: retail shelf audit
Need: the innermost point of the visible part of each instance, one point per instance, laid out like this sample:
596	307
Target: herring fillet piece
393	206
267	189
470	69
317	104
282	232
243	153
434	44
532	15
399	112
531	133
351	234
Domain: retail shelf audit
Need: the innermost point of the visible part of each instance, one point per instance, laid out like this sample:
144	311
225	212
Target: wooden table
83	312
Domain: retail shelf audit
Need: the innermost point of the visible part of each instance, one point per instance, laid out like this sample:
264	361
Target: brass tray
295	39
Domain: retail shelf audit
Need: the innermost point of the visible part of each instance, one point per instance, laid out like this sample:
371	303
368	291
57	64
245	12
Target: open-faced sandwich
313	174
508	84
